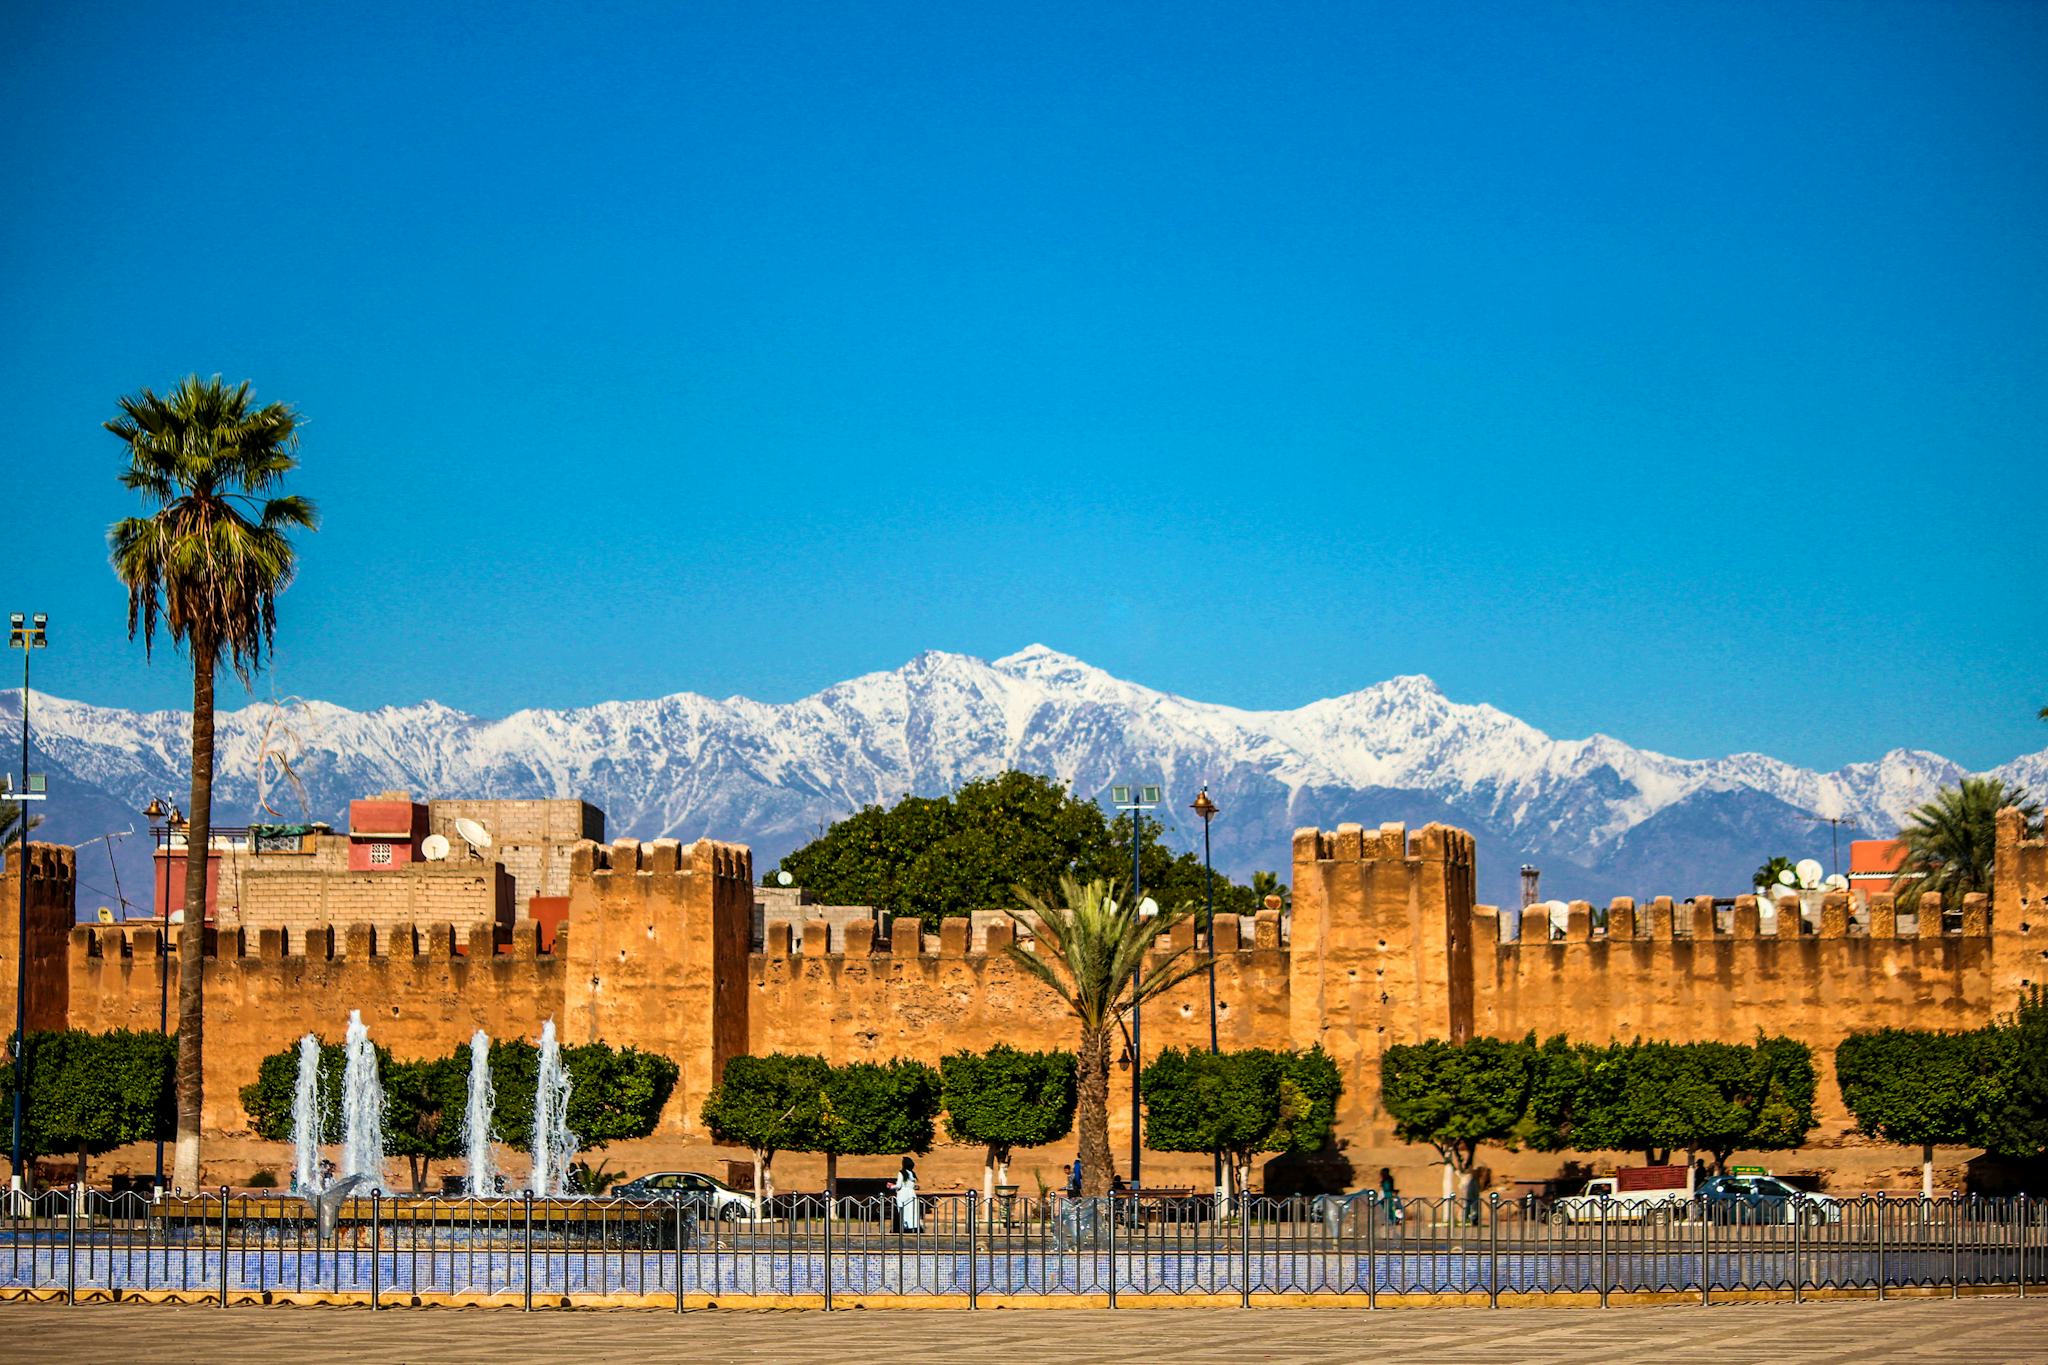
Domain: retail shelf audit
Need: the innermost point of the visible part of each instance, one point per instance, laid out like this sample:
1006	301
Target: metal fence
534	1253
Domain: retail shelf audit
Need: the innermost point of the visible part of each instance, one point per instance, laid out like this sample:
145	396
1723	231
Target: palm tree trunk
192	933
1093	1085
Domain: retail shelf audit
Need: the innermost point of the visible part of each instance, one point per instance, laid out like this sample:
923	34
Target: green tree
207	564
267	1100
614	1093
423	1104
10	823
875	1109
1950	841
1005	1098
768	1104
88	1093
1239	1104
1458	1096
1918	1088
2017	1052
1657	1097
1091	951
939	856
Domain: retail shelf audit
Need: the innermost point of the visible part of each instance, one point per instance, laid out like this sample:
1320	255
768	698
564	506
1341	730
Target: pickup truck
1626	1197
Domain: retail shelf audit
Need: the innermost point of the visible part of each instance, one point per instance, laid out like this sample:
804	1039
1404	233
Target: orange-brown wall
52	892
876	1000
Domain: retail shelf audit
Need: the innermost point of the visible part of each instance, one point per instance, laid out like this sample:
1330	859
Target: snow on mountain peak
1601	816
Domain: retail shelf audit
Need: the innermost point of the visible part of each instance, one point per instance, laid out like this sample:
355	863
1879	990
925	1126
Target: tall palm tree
1092	952
207	565
1950	840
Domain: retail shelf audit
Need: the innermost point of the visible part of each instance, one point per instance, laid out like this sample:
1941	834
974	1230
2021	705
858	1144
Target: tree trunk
1093	1085
1450	1176
419	1174
1927	1170
831	1176
764	1178
988	1174
192	933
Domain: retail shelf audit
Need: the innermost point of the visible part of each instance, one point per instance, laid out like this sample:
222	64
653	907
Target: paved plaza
1970	1332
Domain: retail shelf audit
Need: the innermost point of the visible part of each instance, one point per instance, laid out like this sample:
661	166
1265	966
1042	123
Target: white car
720	1200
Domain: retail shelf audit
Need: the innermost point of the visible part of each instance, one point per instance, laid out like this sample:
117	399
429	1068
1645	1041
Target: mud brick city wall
903	993
52	892
656	954
419	996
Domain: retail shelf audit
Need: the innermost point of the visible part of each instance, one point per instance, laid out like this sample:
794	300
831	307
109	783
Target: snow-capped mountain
1599	817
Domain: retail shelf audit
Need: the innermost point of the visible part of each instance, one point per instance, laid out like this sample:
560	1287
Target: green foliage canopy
939	856
88	1093
1918	1088
1238	1104
1005	1098
877	1108
1458	1096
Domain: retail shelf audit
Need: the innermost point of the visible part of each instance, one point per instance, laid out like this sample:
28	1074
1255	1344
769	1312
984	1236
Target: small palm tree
1950	840
1092	955
1767	876
207	565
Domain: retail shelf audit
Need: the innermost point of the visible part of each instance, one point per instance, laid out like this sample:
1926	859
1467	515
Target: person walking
1390	1197
1472	1184
1074	1179
907	1219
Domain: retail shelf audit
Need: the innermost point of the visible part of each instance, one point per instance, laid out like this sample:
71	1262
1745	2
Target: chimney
1529	878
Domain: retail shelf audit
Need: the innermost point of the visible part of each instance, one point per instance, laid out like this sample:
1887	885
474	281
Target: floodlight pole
1133	800
1208	810
28	639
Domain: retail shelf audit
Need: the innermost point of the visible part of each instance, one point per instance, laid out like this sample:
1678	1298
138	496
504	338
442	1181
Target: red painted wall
171	866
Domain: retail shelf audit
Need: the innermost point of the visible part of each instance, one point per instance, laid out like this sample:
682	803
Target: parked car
1605	1197
1765	1199
719	1200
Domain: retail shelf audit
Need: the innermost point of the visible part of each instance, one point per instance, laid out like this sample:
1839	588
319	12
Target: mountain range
1599	817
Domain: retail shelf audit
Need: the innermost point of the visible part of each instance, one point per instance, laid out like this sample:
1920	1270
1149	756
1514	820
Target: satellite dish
1788	878
106	915
1810	872
783	878
1836	883
1147	908
473	834
434	847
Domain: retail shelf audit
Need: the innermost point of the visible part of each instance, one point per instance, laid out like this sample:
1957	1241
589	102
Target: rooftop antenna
1836	824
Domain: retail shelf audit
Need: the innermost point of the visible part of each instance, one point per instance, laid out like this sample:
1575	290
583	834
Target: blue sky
1677	370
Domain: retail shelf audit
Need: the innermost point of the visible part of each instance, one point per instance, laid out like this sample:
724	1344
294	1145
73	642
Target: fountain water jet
554	1146
309	1120
362	1108
476	1117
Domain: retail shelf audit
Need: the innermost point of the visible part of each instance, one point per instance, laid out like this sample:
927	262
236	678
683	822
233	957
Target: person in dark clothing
1390	1197
1074	1180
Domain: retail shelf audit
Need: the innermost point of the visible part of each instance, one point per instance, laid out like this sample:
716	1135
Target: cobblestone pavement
1972	1332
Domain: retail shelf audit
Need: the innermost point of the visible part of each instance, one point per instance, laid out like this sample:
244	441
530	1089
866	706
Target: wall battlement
328	942
809	940
1700	920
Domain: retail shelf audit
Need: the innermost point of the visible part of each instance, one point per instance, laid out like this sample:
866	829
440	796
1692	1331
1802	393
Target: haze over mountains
1599	817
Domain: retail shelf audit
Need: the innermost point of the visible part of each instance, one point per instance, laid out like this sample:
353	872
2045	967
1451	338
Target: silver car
718	1199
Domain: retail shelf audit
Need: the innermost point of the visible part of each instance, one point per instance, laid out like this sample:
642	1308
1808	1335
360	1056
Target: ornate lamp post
27	634
162	822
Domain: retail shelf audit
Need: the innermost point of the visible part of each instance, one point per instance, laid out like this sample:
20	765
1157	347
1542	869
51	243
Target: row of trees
614	1093
1985	1088
948	855
1233	1104
1651	1097
88	1093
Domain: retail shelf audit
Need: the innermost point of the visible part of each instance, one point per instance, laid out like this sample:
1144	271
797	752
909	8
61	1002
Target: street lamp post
1208	810
161	823
1136	800
26	636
